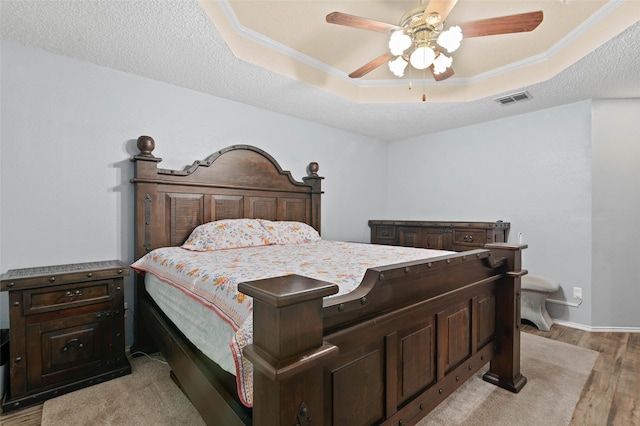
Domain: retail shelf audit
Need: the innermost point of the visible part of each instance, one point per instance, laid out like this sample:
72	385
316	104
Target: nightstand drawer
47	299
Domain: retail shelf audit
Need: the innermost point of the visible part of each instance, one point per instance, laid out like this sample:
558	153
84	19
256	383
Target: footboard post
288	351
504	370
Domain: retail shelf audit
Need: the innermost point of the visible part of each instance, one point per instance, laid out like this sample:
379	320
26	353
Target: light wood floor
31	416
610	397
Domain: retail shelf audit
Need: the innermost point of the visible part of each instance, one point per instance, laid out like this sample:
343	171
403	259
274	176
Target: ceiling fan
422	41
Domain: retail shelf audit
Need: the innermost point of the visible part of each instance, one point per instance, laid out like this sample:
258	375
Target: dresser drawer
384	233
469	237
46	299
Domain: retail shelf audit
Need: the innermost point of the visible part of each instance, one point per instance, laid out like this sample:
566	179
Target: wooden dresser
66	329
454	236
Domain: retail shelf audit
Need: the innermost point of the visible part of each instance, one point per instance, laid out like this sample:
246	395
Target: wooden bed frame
387	353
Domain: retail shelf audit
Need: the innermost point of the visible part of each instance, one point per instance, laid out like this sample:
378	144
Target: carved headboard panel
240	181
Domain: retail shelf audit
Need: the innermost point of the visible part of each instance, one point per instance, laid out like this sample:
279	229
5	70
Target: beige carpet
556	373
147	396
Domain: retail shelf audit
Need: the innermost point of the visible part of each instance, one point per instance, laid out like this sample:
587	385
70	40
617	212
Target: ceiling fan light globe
397	66
399	42
450	39
441	63
422	57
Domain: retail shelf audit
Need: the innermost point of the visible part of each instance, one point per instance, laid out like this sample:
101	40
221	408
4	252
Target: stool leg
533	309
546	321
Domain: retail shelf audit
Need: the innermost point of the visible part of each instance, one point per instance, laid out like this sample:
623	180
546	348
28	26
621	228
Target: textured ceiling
178	42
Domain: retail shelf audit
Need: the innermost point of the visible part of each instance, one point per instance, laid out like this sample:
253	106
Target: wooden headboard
240	181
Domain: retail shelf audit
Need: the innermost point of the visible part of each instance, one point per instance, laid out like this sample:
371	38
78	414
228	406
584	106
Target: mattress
198	290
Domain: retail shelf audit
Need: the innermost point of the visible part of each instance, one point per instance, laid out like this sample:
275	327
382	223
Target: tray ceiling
293	39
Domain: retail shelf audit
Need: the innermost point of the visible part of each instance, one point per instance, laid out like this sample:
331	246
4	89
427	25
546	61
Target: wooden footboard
390	352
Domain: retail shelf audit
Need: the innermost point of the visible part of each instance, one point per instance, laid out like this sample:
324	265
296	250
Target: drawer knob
73	293
90	274
52	279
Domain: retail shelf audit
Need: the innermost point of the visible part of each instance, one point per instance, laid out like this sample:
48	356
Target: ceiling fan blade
440	7
502	25
442	76
372	65
345	19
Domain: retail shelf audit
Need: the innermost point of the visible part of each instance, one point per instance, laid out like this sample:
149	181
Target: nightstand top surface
73	269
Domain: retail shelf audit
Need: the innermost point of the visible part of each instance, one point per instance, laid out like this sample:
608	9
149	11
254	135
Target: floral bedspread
212	279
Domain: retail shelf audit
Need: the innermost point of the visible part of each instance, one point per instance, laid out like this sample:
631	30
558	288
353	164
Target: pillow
226	234
289	232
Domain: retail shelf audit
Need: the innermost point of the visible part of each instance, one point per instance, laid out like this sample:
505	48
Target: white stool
532	303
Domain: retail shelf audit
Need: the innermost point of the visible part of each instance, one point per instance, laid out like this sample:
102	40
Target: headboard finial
313	168
146	145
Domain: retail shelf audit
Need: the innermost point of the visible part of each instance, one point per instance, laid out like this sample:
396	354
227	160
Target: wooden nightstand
66	329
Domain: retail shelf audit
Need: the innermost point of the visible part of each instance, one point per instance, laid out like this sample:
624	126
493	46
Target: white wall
69	129
616	212
532	170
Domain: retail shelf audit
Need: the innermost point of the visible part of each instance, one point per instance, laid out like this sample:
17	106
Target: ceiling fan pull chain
424	85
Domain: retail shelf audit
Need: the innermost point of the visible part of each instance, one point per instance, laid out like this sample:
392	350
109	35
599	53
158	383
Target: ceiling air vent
513	98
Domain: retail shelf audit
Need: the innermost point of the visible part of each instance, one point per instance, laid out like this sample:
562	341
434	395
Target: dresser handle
73	342
73	293
104	315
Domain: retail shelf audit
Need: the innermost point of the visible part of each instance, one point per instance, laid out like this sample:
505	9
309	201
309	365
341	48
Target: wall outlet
577	292
125	309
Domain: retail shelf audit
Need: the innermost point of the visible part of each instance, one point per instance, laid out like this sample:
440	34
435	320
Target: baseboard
597	329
